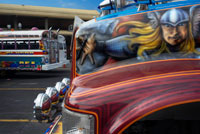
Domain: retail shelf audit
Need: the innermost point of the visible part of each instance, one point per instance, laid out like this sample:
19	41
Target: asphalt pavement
17	94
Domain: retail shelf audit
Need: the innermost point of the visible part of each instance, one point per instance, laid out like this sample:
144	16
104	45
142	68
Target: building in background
22	17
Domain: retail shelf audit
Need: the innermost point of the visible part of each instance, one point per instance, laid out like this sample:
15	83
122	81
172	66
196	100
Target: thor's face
174	35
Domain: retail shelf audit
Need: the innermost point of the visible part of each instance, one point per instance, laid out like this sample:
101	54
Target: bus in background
32	50
62	50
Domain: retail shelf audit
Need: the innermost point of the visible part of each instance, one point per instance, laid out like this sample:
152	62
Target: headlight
77	123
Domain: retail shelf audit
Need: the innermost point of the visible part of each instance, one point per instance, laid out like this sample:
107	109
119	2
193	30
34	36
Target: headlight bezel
77	123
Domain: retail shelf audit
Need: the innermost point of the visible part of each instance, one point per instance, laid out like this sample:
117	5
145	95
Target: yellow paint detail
13	120
21	62
21	120
55	102
27	62
32	62
46	111
59	130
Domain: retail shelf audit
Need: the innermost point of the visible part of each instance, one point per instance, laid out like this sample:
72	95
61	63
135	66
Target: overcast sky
76	4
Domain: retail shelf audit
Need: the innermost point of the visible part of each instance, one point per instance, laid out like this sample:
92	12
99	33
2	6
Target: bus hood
118	74
124	94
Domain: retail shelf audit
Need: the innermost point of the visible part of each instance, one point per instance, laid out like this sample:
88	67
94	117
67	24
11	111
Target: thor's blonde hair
150	38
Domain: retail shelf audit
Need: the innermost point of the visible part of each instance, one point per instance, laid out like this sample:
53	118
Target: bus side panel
20	63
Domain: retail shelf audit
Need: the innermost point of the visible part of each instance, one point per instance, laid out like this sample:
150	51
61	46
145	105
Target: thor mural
139	36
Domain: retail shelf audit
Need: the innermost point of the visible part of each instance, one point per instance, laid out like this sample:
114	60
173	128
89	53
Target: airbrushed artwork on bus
141	36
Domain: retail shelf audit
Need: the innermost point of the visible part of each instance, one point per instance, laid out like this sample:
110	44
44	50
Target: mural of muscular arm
116	48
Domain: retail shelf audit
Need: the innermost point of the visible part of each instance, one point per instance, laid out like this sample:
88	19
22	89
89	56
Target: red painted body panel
122	95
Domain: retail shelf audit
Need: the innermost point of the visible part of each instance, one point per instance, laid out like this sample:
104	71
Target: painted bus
134	70
32	50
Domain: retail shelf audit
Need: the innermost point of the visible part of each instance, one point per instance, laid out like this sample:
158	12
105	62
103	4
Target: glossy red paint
54	98
133	71
46	105
121	95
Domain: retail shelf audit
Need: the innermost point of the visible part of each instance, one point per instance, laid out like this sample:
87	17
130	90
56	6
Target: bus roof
22	35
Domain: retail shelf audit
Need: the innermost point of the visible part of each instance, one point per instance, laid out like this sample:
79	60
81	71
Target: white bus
32	50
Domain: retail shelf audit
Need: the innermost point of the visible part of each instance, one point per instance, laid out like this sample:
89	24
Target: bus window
25	36
22	45
34	45
17	36
1	45
31	36
10	36
9	45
